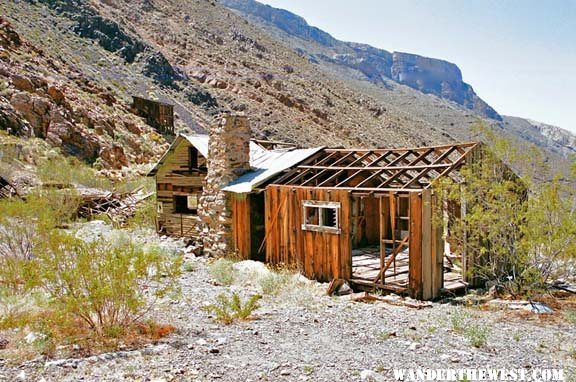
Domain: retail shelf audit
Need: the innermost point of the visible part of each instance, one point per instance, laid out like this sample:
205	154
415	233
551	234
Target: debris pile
119	207
6	189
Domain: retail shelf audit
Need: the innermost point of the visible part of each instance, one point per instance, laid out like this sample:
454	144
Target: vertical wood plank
437	248
415	249
427	264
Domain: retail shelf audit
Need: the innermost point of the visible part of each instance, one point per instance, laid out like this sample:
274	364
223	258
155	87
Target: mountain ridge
204	59
428	75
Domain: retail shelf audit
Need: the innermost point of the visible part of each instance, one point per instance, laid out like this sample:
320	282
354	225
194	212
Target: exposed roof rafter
410	169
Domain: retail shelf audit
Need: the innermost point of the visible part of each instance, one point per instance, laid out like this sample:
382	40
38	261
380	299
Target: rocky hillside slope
68	69
428	75
556	139
43	96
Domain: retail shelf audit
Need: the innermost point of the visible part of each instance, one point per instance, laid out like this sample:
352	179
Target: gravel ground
303	335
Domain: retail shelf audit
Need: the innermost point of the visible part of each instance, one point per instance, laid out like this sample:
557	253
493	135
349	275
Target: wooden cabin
181	179
159	115
368	216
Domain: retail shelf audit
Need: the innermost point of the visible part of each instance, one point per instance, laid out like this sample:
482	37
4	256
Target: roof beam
442	157
415	167
342	169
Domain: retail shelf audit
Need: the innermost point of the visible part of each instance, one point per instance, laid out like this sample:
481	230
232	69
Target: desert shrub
519	234
189	267
274	282
16	308
145	215
570	316
102	283
459	319
229	309
463	323
22	224
477	335
26	222
223	272
69	170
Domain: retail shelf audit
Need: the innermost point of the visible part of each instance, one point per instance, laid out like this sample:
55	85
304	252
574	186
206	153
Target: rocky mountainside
428	75
558	140
68	70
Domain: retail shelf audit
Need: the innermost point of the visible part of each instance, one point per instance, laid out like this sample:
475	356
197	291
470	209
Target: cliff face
556	139
428	75
438	77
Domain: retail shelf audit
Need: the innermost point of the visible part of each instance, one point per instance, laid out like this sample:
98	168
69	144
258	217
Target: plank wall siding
241	224
319	255
174	178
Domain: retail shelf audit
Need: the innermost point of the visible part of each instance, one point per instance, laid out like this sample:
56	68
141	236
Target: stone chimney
228	158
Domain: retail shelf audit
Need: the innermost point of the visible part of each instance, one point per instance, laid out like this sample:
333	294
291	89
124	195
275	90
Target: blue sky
519	55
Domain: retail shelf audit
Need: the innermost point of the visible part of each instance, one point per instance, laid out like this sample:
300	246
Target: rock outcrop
438	77
65	108
428	75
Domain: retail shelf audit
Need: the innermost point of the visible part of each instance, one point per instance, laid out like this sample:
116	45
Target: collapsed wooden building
7	190
368	216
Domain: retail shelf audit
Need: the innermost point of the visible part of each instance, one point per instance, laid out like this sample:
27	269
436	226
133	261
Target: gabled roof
264	163
371	170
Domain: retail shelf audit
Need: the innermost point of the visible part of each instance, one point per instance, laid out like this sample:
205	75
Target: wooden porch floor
366	266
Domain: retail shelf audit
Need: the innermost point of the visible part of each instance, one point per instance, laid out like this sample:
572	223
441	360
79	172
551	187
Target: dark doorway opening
258	229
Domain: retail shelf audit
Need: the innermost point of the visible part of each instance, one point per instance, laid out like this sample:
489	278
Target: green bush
189	267
459	320
145	215
274	282
229	309
223	272
477	335
102	283
463	323
67	171
570	316
517	233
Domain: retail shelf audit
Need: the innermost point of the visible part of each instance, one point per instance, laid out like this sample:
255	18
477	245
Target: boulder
252	268
22	83
35	109
56	94
114	157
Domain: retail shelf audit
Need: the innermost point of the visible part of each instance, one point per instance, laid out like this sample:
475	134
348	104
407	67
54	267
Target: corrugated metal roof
267	163
264	163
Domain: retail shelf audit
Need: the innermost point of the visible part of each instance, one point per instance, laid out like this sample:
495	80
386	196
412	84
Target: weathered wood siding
174	178
157	114
365	221
240	204
426	251
319	255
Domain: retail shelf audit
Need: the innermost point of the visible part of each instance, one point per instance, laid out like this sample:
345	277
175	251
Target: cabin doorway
381	236
365	211
257	227
381	229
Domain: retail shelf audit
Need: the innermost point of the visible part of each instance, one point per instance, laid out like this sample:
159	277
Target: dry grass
60	337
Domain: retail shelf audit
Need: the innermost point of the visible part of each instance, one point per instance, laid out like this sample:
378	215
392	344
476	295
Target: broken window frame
321	207
187	210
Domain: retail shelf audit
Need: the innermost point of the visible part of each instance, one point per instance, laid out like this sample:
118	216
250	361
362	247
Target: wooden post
437	247
415	249
384	228
465	264
427	238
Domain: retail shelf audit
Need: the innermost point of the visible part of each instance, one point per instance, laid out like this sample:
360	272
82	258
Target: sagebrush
229	309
